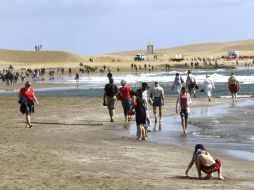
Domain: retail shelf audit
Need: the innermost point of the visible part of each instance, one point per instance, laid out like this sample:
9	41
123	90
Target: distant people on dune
38	48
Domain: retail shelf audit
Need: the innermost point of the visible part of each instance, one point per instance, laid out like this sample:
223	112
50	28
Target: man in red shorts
233	86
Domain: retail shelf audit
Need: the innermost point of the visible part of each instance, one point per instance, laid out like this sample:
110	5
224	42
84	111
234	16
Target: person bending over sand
204	162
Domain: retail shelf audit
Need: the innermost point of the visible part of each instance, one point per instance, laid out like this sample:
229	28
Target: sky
92	27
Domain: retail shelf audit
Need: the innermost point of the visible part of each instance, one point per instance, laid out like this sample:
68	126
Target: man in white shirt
191	83
157	95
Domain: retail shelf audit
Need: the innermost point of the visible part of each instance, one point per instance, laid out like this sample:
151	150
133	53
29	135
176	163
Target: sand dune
49	59
246	47
39	56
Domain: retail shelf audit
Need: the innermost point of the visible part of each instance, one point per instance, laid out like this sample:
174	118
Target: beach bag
23	101
119	96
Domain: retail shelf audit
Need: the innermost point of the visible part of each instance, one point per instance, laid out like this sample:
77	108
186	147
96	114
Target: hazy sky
90	27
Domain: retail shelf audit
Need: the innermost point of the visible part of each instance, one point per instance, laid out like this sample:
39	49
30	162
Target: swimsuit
209	169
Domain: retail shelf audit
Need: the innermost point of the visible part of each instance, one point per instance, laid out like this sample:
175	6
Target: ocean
227	128
93	85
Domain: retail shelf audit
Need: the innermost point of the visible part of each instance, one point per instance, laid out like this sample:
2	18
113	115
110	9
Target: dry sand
73	146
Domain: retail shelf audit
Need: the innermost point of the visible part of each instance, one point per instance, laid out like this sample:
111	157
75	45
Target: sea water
93	85
228	128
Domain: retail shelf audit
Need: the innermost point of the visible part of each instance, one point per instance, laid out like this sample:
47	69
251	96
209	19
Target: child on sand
204	162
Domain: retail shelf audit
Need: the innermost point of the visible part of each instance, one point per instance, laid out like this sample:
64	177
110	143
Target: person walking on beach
184	100
77	77
191	83
109	98
146	102
109	75
208	86
204	162
157	95
26	99
124	96
140	111
177	85
233	86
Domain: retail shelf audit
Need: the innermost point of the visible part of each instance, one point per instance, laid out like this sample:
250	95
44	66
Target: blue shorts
157	102
126	103
184	114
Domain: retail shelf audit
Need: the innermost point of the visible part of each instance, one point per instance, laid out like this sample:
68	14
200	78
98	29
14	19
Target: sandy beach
72	145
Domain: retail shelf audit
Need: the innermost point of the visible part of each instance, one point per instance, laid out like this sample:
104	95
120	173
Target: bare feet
221	178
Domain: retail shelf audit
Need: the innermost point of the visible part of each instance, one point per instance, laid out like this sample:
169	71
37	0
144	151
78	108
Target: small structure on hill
149	50
233	53
177	58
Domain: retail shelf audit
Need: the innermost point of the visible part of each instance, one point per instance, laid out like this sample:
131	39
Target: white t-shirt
157	91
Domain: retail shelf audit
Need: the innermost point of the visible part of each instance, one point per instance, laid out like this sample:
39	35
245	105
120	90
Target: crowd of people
137	103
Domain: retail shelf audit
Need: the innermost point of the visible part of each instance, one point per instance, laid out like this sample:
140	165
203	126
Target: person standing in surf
184	100
177	85
208	86
233	86
109	98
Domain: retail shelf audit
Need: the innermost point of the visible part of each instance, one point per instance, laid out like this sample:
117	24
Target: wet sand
72	145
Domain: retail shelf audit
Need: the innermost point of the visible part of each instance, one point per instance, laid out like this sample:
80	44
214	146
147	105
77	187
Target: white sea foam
218	76
251	138
239	96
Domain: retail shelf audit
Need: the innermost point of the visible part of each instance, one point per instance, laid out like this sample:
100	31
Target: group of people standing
135	103
138	102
